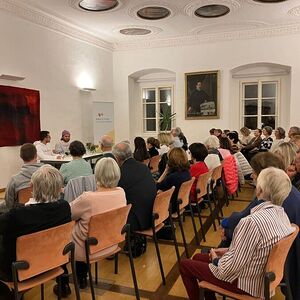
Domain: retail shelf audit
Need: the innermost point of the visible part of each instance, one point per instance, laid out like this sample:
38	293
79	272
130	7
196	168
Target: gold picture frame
202	95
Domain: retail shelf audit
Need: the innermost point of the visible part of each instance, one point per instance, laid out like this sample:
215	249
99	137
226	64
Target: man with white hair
139	187
106	142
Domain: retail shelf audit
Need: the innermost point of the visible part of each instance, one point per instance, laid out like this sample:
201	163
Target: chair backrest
202	184
161	205
146	161
278	256
43	250
184	192
216	173
153	165
107	228
24	195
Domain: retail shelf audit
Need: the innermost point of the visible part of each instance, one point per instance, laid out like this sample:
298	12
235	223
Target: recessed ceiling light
135	31
153	13
212	11
98	5
269	1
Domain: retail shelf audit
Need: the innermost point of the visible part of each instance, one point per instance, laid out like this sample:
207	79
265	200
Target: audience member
166	144
294	130
140	151
234	141
296	178
218	133
107	197
176	172
21	180
62	147
225	147
225	132
246	136
213	159
198	155
106	143
267	141
183	139
253	146
139	187
43	148
78	166
177	142
296	141
212	131
152	145
241	268
47	212
279	138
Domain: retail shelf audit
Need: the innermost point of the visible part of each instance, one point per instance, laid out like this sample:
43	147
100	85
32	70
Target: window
156	101
260	104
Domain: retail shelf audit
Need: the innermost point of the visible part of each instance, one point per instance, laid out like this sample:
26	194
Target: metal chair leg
194	225
75	279
137	294
96	273
159	258
212	215
174	238
200	221
216	208
183	236
201	294
116	263
217	202
59	290
91	282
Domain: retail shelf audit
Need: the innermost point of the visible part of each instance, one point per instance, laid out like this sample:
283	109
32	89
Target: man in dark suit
139	187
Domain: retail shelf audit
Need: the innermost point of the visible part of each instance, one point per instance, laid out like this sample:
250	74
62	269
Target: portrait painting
202	95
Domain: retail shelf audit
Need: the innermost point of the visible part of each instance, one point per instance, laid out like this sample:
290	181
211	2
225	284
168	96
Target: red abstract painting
19	116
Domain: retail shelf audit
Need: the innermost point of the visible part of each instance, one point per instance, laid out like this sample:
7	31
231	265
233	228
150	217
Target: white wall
223	56
52	63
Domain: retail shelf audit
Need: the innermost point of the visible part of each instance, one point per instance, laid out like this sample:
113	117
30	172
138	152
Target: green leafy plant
166	120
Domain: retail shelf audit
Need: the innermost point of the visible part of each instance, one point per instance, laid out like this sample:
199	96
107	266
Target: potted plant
166	118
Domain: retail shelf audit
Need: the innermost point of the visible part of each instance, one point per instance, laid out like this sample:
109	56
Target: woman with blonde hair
279	138
166	142
246	136
108	196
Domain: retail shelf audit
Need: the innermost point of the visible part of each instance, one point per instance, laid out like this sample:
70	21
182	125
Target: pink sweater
87	205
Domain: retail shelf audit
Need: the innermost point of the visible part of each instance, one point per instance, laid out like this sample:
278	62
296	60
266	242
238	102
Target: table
57	162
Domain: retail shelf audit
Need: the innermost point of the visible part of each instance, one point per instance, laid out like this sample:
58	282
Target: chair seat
37	280
149	231
217	289
100	257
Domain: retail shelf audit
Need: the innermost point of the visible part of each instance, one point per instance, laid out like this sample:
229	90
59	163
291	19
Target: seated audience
218	133
279	138
246	136
177	142
62	147
225	147
166	144
294	130
234	141
198	155
296	141
183	139
296	178
106	143
22	179
46	212
241	267
176	172
152	146
107	197
139	187
267	141
253	146
212	131
78	166
43	148
140	150
213	159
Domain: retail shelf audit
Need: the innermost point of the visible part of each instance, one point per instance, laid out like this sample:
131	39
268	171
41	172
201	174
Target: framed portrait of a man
202	95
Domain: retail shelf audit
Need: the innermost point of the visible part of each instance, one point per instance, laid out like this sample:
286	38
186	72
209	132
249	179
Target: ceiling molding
50	22
169	79
295	11
208	38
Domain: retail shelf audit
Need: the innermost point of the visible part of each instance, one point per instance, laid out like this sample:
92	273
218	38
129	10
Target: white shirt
44	151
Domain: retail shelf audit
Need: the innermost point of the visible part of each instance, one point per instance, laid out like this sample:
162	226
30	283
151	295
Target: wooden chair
24	195
146	161
106	230
153	165
40	256
161	212
182	202
202	189
215	177
273	274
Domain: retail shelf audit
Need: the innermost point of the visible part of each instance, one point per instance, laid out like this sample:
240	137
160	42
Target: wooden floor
120	286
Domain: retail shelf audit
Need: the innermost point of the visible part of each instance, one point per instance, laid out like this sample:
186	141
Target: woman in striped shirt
240	268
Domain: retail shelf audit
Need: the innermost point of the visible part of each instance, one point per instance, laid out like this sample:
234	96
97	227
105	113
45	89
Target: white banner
103	120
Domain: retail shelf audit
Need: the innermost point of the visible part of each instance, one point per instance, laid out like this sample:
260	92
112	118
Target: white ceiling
247	19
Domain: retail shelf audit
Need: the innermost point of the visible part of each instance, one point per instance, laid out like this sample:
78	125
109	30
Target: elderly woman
213	159
78	166
267	141
241	267
107	197
45	211
246	136
279	138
